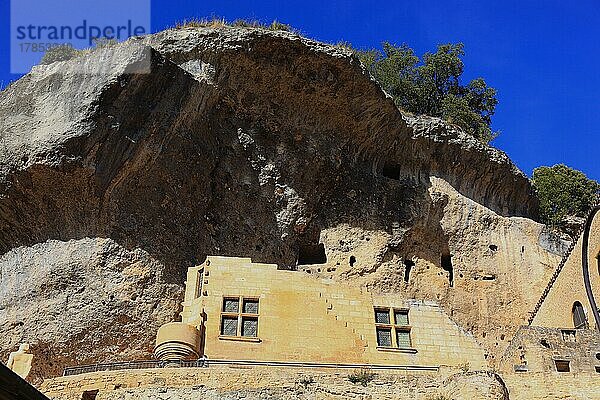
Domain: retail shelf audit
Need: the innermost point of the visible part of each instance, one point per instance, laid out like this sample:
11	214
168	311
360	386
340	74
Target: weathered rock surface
253	383
244	142
499	265
82	302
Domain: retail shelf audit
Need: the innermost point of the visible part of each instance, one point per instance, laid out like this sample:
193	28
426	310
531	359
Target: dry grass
217	22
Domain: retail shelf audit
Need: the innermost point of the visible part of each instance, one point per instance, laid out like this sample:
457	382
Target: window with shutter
579	319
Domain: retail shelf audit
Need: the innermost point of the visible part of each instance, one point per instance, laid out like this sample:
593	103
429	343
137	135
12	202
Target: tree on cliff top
432	86
564	192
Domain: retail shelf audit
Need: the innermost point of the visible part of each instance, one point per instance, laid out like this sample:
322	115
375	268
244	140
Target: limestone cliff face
244	142
82	301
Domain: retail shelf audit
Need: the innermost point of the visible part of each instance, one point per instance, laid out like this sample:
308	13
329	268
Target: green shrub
432	86
362	376
564	192
61	52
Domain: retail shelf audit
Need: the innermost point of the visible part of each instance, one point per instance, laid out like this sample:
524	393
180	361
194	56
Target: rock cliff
242	142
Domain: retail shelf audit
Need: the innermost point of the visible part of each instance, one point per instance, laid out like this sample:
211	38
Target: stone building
261	327
248	311
558	353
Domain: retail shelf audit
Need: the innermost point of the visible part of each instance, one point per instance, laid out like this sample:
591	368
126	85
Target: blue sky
542	56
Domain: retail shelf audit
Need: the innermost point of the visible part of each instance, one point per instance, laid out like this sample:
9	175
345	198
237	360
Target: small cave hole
408	264
446	263
493	247
522	249
484	334
89	395
391	171
545	343
352	261
311	254
597	356
502	337
489	277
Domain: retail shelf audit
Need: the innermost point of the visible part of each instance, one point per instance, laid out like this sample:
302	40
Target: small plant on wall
306	380
362	376
465	367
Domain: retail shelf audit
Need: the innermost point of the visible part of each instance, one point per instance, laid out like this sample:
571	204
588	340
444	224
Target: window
89	395
562	365
568	335
396	334
579	319
239	317
199	283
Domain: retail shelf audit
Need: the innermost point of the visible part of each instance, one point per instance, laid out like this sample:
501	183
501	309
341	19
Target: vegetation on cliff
564	192
432	86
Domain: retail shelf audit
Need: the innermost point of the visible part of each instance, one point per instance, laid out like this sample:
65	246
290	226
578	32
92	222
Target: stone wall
274	383
543	386
529	370
534	350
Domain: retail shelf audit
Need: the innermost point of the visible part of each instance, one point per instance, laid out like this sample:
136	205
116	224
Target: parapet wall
245	382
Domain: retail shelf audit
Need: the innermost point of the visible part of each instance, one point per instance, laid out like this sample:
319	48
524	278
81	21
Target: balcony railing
204	363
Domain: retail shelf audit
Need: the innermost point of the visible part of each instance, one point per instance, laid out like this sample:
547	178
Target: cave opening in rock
311	254
446	263
352	261
391	171
493	247
408	264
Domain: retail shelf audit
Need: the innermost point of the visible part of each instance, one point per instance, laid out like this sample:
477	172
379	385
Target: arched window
579	319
